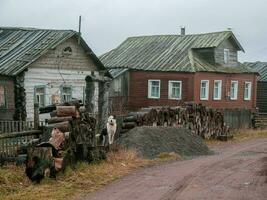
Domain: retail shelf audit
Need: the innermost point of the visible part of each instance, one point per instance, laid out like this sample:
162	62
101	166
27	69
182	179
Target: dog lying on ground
109	131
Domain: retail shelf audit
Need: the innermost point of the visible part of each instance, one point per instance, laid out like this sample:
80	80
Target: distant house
167	70
261	68
42	66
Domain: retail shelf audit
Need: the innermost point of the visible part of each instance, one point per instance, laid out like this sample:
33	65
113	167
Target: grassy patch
241	135
84	179
167	156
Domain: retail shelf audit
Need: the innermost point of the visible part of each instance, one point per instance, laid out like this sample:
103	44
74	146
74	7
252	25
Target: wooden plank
20	134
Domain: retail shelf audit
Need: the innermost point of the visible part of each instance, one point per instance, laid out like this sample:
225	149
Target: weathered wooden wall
262	96
8	112
238	118
55	70
219	53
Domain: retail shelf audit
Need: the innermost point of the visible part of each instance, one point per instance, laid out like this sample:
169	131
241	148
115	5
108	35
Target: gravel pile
151	141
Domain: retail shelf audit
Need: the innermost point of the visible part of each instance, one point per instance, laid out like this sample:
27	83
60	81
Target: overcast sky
106	23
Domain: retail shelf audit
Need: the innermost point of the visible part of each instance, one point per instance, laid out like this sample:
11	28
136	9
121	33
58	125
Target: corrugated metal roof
169	53
19	47
260	67
117	71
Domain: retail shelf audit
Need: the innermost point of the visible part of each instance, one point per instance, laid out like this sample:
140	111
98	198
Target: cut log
64	111
54	120
62	126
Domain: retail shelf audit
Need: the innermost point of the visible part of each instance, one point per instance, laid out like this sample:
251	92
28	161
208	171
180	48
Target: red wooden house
166	70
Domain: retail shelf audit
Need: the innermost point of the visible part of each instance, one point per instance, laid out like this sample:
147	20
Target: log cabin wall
225	101
7	111
56	69
138	88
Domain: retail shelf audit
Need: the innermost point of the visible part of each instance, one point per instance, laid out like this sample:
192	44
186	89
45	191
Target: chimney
182	31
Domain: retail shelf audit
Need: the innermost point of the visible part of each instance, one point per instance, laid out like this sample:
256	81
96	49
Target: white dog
111	129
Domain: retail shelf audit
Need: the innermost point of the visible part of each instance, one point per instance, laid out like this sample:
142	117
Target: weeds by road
87	177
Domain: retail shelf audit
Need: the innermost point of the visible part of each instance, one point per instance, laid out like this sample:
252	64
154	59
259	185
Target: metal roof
19	47
170	53
260	67
117	72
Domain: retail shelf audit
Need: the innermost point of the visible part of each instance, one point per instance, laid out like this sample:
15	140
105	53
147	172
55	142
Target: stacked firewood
68	137
203	121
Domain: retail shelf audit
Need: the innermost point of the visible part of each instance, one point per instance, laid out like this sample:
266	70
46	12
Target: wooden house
261	68
42	66
167	70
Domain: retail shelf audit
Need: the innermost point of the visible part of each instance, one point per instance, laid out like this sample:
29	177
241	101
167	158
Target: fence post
89	94
36	116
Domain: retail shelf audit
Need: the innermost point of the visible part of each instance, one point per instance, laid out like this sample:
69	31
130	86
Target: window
117	85
66	94
39	95
217	90
67	51
154	89
226	53
2	97
247	91
175	89
233	90
204	90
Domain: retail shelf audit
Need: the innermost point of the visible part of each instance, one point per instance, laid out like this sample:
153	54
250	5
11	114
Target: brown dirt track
236	171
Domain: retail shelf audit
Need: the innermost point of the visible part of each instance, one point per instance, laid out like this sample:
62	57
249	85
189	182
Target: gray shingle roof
260	67
169	53
19	47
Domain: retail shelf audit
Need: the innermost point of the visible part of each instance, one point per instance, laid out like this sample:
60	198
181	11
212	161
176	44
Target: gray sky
106	23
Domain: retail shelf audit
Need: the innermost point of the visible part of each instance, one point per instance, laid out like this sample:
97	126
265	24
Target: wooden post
103	103
36	116
89	94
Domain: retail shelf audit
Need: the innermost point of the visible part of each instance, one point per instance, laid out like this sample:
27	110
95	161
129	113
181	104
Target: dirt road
234	172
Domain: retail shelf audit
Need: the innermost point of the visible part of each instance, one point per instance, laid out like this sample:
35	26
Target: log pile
205	122
68	137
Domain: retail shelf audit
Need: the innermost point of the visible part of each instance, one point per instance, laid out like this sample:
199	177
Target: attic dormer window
67	51
226	56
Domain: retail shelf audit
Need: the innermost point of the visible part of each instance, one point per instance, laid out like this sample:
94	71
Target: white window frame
64	94
149	89
170	90
207	90
219	90
226	55
249	90
236	91
40	95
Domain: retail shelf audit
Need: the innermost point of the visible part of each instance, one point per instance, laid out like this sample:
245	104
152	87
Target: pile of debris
151	141
68	137
205	122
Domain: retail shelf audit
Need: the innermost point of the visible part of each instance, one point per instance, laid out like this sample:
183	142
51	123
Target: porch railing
17	126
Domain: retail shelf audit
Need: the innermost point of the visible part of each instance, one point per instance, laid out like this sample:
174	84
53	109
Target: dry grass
241	135
168	156
84	179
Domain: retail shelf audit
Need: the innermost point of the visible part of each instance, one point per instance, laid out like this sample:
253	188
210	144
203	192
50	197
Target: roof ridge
32	29
178	35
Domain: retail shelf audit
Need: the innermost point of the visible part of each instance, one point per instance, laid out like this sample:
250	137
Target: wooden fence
10	143
17	126
238	118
